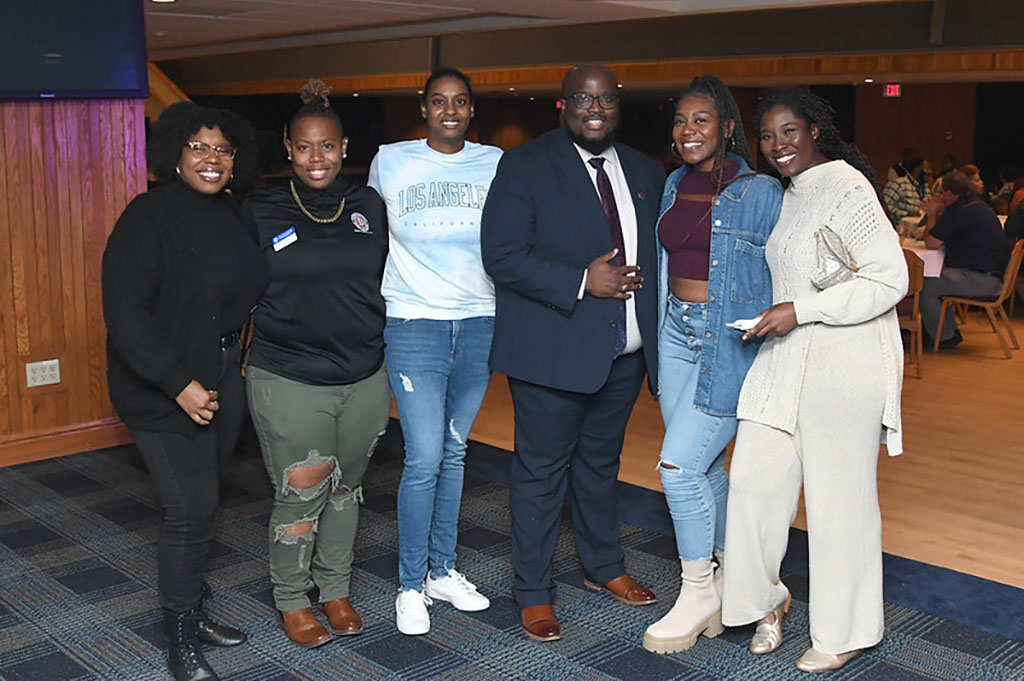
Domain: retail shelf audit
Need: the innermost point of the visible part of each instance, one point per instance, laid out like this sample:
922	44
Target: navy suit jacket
542	225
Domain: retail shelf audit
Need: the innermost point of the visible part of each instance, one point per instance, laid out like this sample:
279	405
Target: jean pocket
750	277
396	321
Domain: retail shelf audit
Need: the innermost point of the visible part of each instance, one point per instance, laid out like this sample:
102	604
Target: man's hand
198	402
931	205
605	280
777	320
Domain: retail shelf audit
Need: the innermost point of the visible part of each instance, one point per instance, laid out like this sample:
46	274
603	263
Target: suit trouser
954	281
833	453
563	437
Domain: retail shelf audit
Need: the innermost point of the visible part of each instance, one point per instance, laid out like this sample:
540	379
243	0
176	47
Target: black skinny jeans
186	472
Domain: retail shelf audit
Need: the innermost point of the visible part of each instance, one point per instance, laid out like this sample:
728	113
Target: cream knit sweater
836	195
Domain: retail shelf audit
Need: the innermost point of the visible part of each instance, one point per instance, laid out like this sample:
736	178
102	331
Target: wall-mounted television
72	49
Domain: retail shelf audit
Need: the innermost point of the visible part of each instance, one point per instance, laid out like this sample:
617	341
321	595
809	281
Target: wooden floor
955	498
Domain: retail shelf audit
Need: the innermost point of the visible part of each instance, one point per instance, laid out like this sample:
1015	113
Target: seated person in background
973	174
928	178
1011	180
899	169
976	253
903	195
946	164
1013	229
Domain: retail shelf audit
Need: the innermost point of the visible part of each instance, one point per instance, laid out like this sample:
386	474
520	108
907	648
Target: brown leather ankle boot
303	628
344	619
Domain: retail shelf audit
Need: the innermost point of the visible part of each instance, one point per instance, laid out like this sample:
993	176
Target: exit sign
892	90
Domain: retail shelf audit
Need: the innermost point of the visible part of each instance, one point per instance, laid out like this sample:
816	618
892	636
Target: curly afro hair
818	111
180	121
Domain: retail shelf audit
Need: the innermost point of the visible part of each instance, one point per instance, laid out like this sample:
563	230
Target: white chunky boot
698	610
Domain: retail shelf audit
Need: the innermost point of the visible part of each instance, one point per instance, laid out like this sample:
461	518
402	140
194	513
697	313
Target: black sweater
180	270
321	321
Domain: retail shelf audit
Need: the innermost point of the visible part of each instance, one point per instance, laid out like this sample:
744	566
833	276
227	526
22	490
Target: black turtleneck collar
188	190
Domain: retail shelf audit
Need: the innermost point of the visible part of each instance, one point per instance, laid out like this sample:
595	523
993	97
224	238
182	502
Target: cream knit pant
833	453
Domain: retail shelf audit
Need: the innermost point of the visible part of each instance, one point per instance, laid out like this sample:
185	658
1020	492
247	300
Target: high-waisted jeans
439	375
696	487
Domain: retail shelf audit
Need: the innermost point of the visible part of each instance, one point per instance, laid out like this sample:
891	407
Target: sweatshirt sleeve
373	179
131	278
881	279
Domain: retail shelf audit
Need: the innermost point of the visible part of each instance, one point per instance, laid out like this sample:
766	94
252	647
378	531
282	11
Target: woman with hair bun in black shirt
318	391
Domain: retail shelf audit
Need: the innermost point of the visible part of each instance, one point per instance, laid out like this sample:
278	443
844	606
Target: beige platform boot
698	610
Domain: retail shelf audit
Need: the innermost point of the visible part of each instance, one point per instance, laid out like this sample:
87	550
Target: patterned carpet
77	593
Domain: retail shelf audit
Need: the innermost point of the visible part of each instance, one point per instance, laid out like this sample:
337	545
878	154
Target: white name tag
285	238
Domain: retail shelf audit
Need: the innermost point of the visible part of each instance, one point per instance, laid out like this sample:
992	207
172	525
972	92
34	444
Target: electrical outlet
46	372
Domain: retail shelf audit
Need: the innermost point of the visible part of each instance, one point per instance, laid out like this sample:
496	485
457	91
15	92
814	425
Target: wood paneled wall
67	169
933	118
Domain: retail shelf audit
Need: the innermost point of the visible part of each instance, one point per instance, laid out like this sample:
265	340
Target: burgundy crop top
685	228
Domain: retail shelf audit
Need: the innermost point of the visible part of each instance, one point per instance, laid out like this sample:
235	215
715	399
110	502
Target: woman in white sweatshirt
821	395
440	322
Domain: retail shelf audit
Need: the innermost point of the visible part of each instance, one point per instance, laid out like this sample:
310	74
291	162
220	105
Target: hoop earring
672	150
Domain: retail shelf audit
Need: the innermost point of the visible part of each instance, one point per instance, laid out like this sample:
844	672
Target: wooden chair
1013	292
908	311
994	306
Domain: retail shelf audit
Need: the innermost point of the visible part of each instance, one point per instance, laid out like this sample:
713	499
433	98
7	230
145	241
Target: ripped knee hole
299	530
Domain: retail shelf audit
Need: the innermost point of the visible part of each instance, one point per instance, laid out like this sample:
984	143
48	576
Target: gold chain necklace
321	221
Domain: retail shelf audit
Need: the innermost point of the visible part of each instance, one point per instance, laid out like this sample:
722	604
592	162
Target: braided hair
315	95
714	89
817	111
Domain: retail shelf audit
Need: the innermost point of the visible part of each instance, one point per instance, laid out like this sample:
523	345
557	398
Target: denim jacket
739	285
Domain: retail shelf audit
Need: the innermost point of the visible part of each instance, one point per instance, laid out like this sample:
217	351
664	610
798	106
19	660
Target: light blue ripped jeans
440	374
696	488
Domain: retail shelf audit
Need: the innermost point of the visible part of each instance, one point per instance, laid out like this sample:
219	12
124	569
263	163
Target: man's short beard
595	147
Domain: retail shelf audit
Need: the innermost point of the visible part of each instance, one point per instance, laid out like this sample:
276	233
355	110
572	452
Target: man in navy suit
567	235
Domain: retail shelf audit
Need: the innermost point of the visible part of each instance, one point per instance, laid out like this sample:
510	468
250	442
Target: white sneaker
411	612
457	590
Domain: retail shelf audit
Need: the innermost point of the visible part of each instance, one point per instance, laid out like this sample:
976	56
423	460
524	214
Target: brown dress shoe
539	623
625	589
344	620
303	628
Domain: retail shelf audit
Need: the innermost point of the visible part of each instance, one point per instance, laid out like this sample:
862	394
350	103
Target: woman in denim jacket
716	215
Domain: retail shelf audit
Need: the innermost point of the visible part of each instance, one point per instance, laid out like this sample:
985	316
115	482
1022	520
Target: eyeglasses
581	100
202	150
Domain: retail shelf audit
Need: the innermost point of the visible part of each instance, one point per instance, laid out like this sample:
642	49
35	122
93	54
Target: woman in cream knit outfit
822	393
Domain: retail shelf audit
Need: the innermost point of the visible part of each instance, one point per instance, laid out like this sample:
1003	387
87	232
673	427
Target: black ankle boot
184	658
211	632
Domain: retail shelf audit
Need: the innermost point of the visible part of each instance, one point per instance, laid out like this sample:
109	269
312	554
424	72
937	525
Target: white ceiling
188	28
